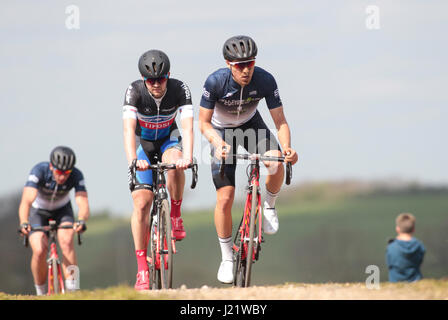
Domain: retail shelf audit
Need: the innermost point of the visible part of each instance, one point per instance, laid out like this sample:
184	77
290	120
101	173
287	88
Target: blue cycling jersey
50	195
235	105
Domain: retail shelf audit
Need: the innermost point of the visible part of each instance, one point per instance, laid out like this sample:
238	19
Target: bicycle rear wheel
252	235
166	254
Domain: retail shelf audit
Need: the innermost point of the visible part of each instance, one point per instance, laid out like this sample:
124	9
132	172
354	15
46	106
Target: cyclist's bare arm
130	147
82	202
28	196
205	125
284	134
187	141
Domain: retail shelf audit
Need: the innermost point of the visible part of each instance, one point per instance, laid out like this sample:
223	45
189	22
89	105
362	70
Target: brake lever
288	173
194	178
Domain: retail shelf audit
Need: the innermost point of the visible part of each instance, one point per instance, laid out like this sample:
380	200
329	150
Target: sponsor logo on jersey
187	90
156	122
276	93
237	102
237	111
33	178
128	94
205	93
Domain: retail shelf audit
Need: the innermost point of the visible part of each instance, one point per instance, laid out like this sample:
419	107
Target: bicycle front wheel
154	258
252	235
239	273
53	280
166	252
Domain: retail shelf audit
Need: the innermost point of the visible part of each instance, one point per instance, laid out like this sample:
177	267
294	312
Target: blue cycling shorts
152	151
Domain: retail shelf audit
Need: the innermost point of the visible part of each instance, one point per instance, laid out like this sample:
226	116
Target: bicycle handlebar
160	166
46	229
259	157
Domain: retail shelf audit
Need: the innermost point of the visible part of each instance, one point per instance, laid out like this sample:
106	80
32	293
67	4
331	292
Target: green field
325	236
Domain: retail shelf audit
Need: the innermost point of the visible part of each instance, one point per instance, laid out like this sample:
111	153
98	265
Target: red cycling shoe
178	228
142	282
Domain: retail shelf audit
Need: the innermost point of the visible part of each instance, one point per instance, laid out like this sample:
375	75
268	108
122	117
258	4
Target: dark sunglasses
241	65
160	80
62	171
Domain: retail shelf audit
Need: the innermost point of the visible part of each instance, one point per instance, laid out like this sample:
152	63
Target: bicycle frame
55	276
161	240
244	228
160	194
248	239
54	266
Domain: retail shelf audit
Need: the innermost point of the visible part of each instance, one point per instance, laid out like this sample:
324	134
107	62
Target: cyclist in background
228	117
149	112
46	195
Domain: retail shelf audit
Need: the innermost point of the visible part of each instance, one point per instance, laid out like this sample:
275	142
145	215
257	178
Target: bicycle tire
55	276
166	254
50	278
154	272
240	267
252	232
61	279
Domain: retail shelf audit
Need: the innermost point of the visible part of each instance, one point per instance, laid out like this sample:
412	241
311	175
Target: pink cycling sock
141	260
175	208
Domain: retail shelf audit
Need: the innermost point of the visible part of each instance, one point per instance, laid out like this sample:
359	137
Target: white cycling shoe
270	221
225	272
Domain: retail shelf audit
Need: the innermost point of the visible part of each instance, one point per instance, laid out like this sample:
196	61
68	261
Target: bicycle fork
52	262
245	224
162	249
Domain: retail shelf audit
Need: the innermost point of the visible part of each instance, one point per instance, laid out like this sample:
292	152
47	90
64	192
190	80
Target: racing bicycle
55	278
248	239
162	243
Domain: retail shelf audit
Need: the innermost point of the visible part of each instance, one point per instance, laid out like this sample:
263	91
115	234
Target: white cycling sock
226	248
269	202
41	289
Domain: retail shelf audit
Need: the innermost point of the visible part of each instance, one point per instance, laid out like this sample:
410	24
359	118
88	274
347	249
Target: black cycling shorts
40	217
254	136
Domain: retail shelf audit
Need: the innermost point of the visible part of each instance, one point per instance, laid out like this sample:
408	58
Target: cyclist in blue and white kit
228	117
46	195
149	112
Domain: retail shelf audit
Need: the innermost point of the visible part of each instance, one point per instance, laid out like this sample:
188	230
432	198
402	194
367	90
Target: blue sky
362	104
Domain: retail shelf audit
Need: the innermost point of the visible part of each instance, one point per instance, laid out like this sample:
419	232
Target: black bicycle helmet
153	64
239	48
63	158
